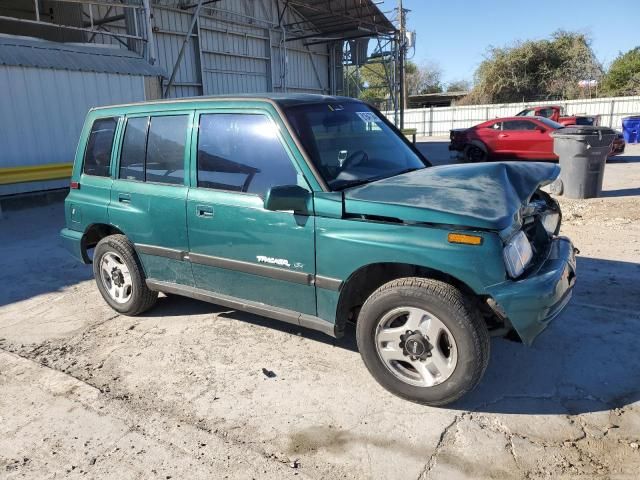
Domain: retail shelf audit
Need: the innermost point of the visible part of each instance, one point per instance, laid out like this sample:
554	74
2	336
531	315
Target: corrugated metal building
71	55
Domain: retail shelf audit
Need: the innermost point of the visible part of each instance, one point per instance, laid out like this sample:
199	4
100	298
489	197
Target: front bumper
530	303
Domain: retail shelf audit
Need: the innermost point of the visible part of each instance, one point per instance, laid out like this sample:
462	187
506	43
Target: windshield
526	113
550	123
350	144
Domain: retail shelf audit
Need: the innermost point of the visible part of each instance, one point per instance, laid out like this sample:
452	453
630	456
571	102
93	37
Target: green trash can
583	152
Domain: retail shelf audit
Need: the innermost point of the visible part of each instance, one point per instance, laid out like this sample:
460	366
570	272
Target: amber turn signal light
464	238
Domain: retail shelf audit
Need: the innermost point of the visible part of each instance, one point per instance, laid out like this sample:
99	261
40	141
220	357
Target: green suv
315	210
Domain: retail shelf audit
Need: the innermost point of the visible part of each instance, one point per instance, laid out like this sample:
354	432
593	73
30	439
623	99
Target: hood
483	195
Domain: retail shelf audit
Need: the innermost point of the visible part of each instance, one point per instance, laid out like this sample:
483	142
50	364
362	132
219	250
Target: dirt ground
180	391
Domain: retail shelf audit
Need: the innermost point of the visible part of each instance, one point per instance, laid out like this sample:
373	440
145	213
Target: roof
434	99
29	52
344	19
282	99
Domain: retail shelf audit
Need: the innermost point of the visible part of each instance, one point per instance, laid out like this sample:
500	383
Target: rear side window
153	149
242	153
165	149
133	149
97	156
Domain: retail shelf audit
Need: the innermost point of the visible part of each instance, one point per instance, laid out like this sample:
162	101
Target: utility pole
402	41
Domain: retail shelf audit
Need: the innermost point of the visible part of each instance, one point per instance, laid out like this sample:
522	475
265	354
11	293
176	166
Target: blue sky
455	34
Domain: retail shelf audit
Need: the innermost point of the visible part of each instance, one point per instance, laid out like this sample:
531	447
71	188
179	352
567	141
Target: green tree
421	79
542	69
623	77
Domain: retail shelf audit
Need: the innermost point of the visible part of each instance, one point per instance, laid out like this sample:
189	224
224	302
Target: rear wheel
120	277
421	340
474	154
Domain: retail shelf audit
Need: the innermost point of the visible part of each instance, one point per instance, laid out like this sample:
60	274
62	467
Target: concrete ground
180	393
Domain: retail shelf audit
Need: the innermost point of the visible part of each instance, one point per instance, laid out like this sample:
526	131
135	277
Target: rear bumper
532	302
72	242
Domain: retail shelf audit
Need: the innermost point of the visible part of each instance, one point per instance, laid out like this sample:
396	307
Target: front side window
97	156
546	112
519	125
242	153
350	144
153	149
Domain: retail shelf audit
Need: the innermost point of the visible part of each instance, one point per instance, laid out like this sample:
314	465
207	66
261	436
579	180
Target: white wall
439	120
42	112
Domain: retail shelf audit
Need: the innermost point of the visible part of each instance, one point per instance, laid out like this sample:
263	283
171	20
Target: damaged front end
542	282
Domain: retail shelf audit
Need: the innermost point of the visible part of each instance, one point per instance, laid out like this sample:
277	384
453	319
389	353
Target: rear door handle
205	211
124	198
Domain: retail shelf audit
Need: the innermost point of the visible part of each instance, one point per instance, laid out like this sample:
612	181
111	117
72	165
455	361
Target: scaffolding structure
329	39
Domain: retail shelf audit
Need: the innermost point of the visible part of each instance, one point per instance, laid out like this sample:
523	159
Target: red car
512	138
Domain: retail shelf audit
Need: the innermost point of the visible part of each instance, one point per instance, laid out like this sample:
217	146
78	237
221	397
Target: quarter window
153	149
242	153
97	157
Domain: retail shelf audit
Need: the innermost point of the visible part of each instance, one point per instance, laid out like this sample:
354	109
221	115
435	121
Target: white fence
436	121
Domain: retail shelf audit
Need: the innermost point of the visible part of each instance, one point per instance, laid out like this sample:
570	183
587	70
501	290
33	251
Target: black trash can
583	152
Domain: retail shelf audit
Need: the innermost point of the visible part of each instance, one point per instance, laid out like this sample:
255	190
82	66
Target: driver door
236	247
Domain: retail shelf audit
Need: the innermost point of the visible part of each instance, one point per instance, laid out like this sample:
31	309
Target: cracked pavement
179	392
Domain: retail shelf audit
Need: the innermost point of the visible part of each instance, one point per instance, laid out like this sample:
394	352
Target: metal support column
176	66
151	44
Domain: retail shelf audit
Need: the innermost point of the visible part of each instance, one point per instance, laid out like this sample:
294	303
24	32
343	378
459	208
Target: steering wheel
351	158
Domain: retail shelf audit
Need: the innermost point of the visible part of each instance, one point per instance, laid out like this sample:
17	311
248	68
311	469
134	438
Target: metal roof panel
28	52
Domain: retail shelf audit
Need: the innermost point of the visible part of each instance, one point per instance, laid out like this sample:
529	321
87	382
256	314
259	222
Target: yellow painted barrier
35	173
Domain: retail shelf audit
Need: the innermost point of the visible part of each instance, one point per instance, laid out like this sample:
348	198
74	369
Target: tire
463	337
475	154
116	254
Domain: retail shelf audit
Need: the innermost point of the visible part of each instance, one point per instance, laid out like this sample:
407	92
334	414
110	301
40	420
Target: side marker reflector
465	239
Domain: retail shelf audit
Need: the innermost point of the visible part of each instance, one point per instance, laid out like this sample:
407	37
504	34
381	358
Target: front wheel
421	340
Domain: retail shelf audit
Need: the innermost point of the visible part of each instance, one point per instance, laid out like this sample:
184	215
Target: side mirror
288	198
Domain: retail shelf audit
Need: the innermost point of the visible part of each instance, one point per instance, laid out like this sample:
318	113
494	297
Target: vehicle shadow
624	159
586	361
33	259
623	192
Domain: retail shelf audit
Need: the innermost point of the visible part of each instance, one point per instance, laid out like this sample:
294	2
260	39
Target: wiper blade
355	183
362	181
402	172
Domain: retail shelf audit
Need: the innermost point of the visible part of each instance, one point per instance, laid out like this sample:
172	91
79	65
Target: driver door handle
503	135
204	211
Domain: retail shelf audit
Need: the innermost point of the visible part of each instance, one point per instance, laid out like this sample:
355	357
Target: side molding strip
160	251
326	283
282	314
252	268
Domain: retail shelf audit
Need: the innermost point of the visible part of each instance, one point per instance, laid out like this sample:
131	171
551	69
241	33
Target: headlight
550	222
517	254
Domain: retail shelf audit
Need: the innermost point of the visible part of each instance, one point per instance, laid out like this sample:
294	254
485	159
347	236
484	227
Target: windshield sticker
368	117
